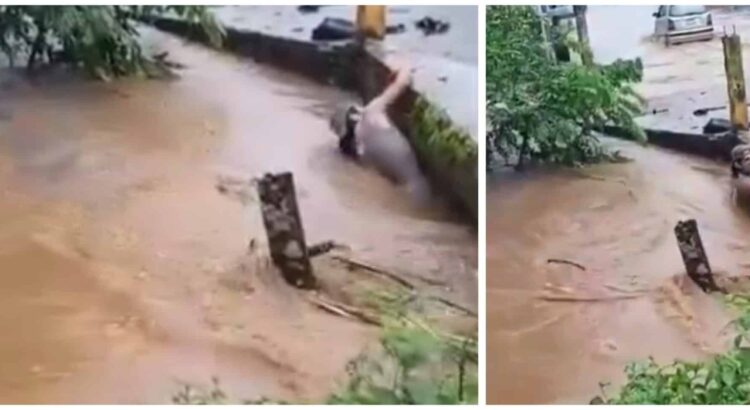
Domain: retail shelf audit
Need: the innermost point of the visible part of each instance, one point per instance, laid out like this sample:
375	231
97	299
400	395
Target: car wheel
667	43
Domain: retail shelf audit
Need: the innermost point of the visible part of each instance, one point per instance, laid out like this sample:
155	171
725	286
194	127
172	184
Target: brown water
616	221
126	273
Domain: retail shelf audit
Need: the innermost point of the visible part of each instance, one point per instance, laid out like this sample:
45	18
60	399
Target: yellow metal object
735	80
371	21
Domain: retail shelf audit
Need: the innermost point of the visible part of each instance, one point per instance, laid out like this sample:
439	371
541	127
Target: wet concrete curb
446	152
712	146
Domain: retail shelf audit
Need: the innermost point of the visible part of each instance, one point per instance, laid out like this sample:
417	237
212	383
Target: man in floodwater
741	174
366	134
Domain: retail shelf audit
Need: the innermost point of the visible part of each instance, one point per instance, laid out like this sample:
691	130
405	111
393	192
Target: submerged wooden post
694	256
283	224
735	80
371	21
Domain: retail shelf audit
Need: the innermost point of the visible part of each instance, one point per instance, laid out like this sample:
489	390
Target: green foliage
436	133
725	379
447	149
193	395
101	39
415	364
543	110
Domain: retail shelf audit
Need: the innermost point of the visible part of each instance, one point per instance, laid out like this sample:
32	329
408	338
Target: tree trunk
36	48
522	153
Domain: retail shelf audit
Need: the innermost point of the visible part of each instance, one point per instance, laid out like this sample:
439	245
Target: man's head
741	160
343	122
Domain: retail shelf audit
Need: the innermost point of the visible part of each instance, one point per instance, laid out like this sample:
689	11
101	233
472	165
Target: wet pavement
619	31
445	64
128	273
678	80
555	331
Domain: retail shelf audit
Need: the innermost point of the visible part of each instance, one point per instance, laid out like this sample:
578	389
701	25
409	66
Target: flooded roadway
556	330
126	273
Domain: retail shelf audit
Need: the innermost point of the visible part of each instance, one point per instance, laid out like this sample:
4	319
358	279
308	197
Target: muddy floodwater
584	274
126	272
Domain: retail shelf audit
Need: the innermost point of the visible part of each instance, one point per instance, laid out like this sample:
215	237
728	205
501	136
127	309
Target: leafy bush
725	379
543	110
101	39
415	367
191	395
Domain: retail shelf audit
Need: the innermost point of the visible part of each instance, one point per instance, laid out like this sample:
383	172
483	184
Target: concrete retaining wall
713	146
446	153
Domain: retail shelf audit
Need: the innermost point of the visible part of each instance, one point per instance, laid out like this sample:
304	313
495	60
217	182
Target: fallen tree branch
623	290
376	270
343	310
585	298
567	262
429	281
454	305
322	248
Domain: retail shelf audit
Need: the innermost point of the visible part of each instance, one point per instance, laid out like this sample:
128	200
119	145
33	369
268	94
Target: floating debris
430	26
308	9
331	29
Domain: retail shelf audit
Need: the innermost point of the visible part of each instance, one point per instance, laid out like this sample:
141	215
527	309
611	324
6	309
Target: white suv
680	24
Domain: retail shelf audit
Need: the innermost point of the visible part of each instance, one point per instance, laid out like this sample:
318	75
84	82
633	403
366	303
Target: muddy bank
136	271
556	330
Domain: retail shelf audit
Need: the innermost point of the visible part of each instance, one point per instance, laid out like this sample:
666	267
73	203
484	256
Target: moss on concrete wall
450	153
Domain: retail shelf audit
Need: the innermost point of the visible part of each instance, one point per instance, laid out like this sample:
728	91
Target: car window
679	11
662	11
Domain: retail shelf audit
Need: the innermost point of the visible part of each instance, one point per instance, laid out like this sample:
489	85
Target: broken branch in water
322	248
367	267
343	310
454	305
398	278
376	270
623	290
429	281
586	298
567	262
